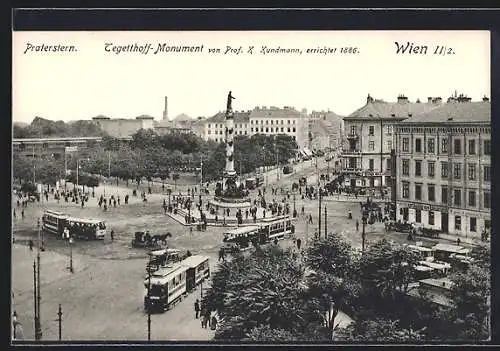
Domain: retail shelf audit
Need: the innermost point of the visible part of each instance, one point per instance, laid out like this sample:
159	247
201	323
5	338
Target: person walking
357	225
310	219
213	323
22	213
206	318
197	308
112	235
299	243
31	245
458	241
14	213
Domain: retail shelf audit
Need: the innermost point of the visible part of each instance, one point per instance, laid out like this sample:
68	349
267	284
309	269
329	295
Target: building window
418	168
457	147
388	165
288	129
406	167
389	144
487	147
487	173
371	130
458	222
251	129
431	217
289	123
272	121
471	170
272	129
472	147
418	216
486	199
293	121
353	129
281	121
472	198
371	163
431	146
431	192
261	129
267	129
444	170
267	121
281	128
457	171
406	190
293	129
457	197
431	169
406	144
209	125
473	224
444	146
418	191
209	132
371	146
444	195
418	145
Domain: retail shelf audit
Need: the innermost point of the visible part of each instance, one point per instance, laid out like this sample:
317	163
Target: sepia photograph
251	186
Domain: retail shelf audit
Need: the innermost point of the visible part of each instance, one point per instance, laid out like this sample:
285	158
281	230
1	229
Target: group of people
208	318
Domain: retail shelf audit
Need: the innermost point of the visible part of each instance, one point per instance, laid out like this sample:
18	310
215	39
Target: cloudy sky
92	81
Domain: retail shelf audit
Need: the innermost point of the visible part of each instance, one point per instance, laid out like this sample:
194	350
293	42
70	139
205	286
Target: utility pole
326	227
38	329
35	304
77	167
201	172
277	162
59	321
149	301
319	212
70	241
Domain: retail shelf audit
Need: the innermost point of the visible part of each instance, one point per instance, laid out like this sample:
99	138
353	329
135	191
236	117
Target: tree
386	270
379	330
264	288
332	255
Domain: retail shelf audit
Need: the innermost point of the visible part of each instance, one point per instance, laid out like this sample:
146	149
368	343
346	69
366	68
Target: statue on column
230	98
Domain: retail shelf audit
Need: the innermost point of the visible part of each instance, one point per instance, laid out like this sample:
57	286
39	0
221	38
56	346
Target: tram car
168	285
276	228
80	228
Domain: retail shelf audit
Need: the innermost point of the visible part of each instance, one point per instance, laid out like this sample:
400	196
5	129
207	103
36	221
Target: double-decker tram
276	228
167	285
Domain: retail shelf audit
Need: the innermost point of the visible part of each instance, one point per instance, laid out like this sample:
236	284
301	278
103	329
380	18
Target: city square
264	224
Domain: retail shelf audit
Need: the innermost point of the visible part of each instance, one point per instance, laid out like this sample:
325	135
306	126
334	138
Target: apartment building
443	168
369	139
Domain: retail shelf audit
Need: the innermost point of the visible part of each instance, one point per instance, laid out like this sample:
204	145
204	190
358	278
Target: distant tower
165	111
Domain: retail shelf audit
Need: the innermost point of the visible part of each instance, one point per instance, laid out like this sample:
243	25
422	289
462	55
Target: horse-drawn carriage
145	240
398	226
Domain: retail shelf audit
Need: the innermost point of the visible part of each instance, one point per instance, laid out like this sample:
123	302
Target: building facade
121	127
443	168
369	139
262	120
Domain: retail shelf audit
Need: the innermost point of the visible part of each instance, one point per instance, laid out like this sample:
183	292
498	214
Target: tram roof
274	219
420	248
85	220
194	261
243	230
451	248
164	275
55	213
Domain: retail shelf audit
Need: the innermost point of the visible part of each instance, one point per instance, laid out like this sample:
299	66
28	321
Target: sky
92	81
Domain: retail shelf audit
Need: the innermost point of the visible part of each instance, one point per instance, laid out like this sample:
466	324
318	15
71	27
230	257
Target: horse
161	238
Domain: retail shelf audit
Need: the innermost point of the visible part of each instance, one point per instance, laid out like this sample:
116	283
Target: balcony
352	170
352	136
351	152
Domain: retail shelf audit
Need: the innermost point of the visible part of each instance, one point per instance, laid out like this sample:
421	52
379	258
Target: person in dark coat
197	308
299	242
112	235
31	245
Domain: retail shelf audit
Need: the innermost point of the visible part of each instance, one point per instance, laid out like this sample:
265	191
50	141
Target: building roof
182	117
397	110
239	117
453	112
275	112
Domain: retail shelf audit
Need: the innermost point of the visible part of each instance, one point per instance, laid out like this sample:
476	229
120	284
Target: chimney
165	111
402	99
369	99
485	99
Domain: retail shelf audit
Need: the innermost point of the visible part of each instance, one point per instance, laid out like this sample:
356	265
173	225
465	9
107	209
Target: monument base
229	202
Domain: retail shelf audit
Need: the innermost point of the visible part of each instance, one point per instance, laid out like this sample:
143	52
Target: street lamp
70	241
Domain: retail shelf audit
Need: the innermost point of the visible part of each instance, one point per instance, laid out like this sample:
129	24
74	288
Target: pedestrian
14	213
458	241
299	242
197	308
118	200
22	213
31	245
114	203
357	225
112	235
310	219
275	241
206	318
213	323
221	253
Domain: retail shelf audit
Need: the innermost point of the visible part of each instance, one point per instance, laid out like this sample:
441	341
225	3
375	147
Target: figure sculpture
230	98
